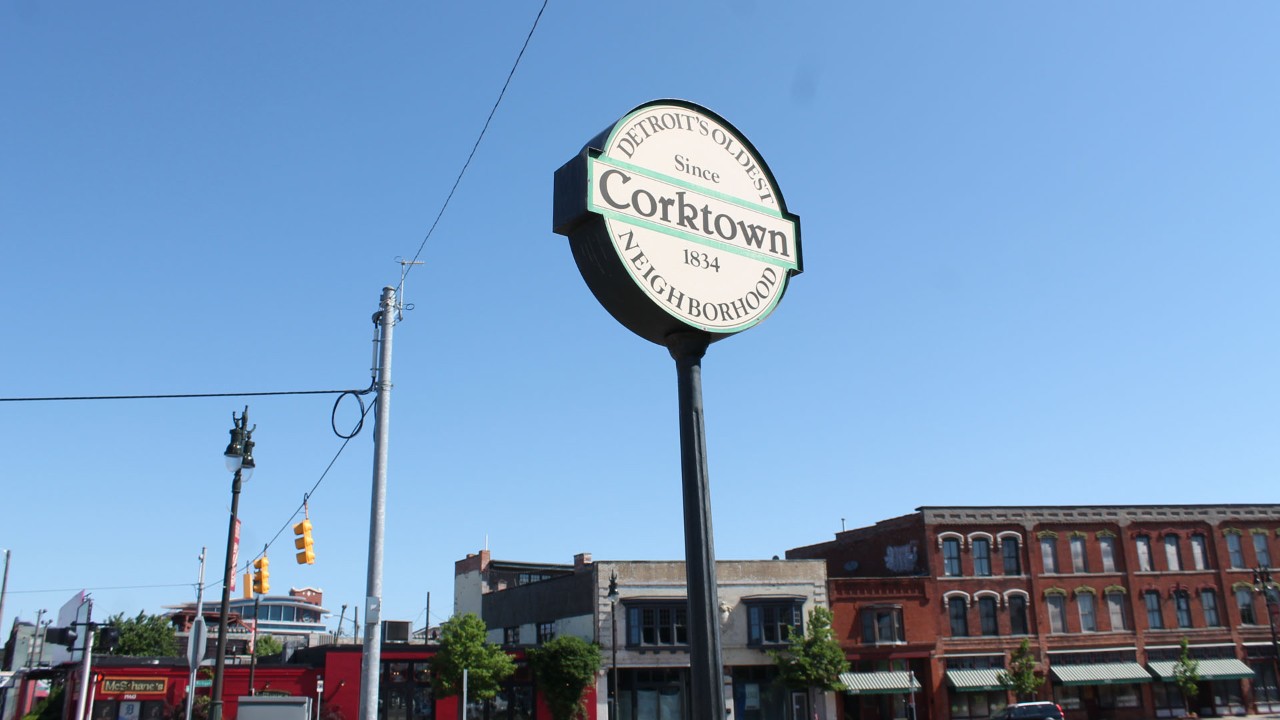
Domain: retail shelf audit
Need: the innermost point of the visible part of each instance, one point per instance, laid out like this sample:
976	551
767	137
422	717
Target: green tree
564	668
1021	676
1186	674
267	645
813	659
463	647
141	636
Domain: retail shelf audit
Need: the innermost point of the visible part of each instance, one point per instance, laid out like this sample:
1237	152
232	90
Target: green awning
1113	673
974	680
1220	669
879	683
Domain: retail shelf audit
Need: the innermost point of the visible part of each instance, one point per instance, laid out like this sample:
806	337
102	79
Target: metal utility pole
85	662
4	587
35	640
196	651
369	675
706	669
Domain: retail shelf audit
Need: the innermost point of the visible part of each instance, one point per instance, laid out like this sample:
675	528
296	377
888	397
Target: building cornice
961	515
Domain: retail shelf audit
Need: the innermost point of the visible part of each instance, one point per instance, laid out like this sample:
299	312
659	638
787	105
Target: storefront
1099	689
1220	693
880	695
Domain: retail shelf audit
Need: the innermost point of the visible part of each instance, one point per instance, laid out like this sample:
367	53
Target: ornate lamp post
1262	583
613	626
239	457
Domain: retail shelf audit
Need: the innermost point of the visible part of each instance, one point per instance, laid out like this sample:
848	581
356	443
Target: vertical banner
235	555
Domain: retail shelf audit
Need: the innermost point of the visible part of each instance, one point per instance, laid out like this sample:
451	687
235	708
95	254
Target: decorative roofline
1098	513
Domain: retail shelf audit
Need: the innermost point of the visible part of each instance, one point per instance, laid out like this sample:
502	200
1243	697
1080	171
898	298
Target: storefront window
975	705
1266	695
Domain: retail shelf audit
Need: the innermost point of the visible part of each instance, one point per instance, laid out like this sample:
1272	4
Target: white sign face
694	216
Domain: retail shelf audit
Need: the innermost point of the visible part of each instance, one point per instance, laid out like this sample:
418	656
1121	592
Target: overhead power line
476	146
172	396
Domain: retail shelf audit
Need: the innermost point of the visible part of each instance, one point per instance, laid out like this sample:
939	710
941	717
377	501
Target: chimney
580	561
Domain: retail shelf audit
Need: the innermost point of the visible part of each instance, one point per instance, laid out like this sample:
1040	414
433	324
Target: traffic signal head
108	638
261	575
248	586
304	543
61	636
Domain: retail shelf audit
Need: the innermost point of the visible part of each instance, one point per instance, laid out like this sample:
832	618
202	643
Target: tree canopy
1186	674
267	645
813	659
141	636
1021	676
564	668
463	647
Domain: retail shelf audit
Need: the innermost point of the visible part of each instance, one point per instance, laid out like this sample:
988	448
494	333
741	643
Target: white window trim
989	593
1001	536
945	535
979	535
948	595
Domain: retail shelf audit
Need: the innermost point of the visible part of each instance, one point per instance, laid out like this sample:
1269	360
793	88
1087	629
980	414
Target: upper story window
1143	545
1049	554
1244	601
1018	614
1209	602
511	635
657	623
768	623
546	632
1235	553
1088	612
951	557
1182	607
1115	610
1172	552
1079	557
982	557
1107	548
958	612
882	625
1009	556
987	615
1199	553
1155	617
1057	605
1260	550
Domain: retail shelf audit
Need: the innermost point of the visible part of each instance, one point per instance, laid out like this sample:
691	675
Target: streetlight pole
613	627
239	457
1262	578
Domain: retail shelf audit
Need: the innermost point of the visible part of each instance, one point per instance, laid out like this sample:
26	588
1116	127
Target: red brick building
1103	594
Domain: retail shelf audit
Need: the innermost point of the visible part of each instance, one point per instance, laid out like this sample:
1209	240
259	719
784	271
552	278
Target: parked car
1031	711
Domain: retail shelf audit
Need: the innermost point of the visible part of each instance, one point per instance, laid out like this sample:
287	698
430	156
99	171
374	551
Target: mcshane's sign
676	223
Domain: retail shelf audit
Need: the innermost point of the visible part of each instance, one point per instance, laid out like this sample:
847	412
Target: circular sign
676	223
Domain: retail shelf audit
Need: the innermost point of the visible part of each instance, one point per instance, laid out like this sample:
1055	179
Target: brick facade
941	573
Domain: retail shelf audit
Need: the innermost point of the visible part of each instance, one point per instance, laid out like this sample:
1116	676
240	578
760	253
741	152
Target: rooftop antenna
405	266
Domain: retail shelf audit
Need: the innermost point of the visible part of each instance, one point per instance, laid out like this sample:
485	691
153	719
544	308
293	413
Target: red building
1103	594
155	688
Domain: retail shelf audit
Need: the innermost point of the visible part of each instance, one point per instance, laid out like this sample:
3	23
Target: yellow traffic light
261	575
303	542
248	586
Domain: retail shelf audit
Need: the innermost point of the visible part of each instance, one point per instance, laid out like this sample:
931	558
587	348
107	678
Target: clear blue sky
1041	248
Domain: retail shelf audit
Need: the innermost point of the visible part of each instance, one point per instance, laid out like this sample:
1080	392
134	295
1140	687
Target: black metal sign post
681	233
705	663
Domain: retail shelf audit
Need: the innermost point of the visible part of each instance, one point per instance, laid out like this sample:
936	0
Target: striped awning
1220	669
1113	673
879	683
974	680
